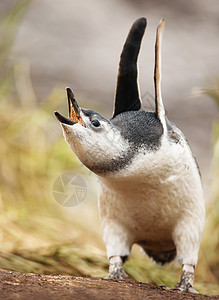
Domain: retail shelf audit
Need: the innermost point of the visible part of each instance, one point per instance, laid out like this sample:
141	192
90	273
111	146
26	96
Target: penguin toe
118	274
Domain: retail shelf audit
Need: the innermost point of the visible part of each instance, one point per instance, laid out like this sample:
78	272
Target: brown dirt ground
15	285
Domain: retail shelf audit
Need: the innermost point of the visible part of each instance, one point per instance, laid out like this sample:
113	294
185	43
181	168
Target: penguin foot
185	288
186	281
118	273
116	268
177	287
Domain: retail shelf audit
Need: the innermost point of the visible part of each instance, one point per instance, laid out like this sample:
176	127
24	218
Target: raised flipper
159	107
127	95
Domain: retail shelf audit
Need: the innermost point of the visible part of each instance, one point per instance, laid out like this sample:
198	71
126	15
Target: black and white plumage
150	187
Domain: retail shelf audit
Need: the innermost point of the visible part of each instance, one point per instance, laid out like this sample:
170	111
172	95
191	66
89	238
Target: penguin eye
95	123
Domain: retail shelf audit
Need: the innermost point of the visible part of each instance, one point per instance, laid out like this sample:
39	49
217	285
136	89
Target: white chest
153	193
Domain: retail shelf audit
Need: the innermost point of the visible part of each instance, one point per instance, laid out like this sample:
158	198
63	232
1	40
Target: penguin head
107	146
93	138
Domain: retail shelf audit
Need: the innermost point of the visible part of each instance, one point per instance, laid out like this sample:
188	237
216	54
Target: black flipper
127	96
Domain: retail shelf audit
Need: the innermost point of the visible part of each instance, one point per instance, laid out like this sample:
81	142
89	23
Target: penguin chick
150	187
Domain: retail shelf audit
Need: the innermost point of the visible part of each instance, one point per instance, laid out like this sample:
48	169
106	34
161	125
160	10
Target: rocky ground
15	285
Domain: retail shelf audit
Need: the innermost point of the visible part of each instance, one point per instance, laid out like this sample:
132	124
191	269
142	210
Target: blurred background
46	45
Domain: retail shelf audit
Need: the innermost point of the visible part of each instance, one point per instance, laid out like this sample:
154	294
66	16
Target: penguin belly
153	203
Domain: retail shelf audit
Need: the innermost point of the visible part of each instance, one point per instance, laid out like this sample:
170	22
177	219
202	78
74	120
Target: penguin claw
192	290
165	288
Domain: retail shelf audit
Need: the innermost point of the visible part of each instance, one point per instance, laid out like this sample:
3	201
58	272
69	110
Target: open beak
73	112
